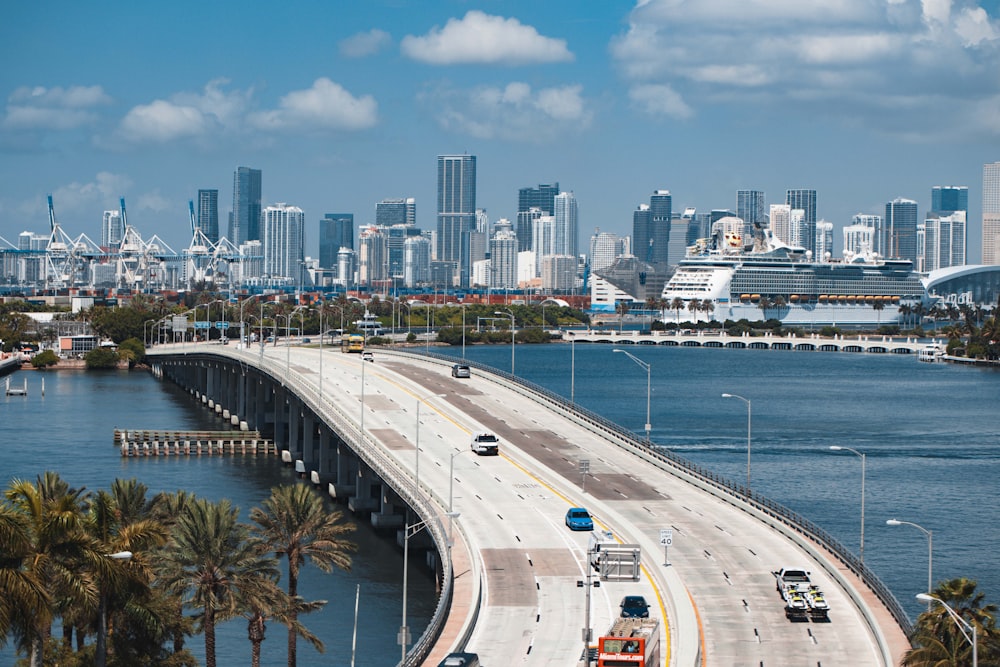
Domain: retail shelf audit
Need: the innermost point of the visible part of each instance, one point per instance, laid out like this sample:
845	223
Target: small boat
932	352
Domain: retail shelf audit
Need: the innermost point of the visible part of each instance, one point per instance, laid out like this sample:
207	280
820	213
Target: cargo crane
199	256
63	255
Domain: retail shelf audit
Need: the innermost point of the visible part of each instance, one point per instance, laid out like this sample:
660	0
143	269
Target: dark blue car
634	606
577	518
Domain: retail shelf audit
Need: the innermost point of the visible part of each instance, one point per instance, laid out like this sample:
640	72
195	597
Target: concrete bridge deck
516	599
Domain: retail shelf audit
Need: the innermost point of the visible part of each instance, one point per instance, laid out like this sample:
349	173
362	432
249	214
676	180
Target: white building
416	261
943	243
373	256
605	248
543	239
559	273
283	230
503	261
858	240
566	223
991	213
111	229
526	271
824	239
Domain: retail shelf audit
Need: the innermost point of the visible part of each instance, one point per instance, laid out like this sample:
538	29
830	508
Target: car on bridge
460	371
484	442
634	606
578	518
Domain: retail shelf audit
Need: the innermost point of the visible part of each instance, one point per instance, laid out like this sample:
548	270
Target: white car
368	356
484	442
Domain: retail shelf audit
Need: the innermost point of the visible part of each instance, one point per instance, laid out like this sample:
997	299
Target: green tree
677	305
45	359
101	357
937	639
293	523
209	560
135	348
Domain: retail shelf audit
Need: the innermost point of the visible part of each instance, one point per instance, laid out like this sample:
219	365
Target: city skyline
360	110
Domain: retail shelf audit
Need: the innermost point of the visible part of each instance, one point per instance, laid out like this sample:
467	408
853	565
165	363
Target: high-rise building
859	239
944	241
246	218
336	231
824	240
805	200
526	227
542	198
565	213
873	222
900	230
991	213
781	222
677	244
390	212
605	249
651	229
751	205
948	198
208	214
112	229
373	256
543	239
559	273
396	247
284	230
456	217
503	261
416	261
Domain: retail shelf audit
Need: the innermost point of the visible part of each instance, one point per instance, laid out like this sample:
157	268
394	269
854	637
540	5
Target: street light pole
930	550
967	629
572	370
838	448
649	386
747	401
511	316
101	648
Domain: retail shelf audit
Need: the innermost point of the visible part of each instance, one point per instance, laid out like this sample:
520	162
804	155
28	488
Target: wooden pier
133	442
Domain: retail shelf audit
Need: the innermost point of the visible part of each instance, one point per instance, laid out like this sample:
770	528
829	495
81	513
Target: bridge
767	341
391	440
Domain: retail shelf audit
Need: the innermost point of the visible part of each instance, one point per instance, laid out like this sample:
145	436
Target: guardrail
372	455
790	518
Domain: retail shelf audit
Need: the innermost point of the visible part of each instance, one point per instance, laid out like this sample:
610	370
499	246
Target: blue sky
342	104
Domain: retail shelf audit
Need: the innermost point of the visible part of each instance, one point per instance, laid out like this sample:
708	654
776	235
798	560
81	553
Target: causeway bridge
391	440
690	338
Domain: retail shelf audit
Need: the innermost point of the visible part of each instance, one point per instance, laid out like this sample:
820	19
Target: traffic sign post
666	539
584	471
222	326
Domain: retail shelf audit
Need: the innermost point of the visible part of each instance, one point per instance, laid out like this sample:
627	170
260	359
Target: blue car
634	606
578	518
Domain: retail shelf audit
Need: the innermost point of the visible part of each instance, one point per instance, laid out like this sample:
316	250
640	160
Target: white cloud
660	100
103	192
53	108
844	59
327	105
484	39
513	112
365	43
186	115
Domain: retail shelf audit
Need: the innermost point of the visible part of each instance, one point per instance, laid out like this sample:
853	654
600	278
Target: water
930	434
929	431
70	429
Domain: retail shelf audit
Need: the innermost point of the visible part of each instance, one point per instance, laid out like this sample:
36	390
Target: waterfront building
543	239
347	263
949	198
284	242
503	261
373	256
604	249
456	211
336	231
944	241
676	246
781	222
396	237
873	222
246	218
651	229
799	230
629	279
541	198
805	200
208	214
566	223
112	229
416	261
751	205
391	212
900	230
859	240
991	213
559	273
526	271
824	239
526	227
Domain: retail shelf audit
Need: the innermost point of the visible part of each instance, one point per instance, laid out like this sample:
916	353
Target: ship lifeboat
842	298
744	297
755	297
794	298
823	298
895	299
869	299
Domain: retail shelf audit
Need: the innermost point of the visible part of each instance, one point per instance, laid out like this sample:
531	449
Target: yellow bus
352	343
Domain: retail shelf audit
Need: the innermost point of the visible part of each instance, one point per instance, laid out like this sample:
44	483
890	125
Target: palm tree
48	549
764	304
677	305
622	307
693	306
937	638
879	306
707	307
210	560
294	523
264	599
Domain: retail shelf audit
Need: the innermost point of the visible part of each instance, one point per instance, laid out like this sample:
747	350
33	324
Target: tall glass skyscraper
805	200
651	229
991	213
336	231
900	229
246	206
389	212
949	198
208	214
456	194
567	223
541	198
751	206
284	241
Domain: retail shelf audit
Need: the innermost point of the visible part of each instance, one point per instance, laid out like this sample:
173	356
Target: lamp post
409	530
509	314
588	584
649	375
838	448
243	303
463	332
747	401
416	476
967	629
572	369
101	648
930	550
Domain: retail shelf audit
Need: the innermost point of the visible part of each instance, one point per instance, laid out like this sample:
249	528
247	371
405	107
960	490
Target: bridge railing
374	457
776	510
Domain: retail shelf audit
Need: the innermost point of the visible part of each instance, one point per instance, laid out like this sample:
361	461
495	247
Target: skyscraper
565	213
651	229
751	205
948	198
246	206
456	194
944	241
111	229
900	229
389	212
542	198
805	200
336	231
991	213
503	261
284	230
874	239
208	214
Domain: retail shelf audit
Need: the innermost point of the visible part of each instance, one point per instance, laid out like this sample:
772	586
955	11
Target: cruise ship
768	279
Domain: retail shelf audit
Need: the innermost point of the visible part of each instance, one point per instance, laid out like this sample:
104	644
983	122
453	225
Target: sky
342	104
